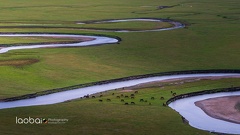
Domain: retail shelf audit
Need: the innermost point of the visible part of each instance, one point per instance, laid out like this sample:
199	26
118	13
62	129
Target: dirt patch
18	63
80	39
169	82
62	40
222	108
126	90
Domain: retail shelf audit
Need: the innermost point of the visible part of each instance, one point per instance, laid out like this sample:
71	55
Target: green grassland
210	41
89	116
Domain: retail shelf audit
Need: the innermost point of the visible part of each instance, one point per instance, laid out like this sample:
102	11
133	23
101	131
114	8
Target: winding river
199	119
175	25
97	41
196	116
77	93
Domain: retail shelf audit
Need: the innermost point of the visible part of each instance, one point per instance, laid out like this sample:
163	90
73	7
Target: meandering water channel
175	25
199	119
186	107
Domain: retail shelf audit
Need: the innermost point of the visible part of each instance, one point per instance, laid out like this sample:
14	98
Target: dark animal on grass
122	95
100	100
150	103
122	100
174	94
152	98
141	100
162	98
108	100
86	96
101	95
118	96
132	95
93	96
145	101
164	104
126	104
112	93
136	92
133	103
126	97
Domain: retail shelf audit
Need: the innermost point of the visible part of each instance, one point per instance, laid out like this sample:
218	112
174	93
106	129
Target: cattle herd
130	99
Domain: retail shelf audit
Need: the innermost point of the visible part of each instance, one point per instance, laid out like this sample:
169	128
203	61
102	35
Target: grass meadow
209	41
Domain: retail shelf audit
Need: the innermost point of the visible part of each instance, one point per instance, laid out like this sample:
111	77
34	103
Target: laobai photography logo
31	120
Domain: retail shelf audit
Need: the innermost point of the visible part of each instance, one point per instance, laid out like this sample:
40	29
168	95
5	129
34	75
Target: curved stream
97	40
176	25
80	92
199	119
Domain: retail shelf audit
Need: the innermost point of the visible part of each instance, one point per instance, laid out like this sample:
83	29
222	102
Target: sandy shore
178	81
81	39
222	108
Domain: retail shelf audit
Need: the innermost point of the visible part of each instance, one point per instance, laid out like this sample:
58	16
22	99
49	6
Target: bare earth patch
126	90
222	108
178	81
20	62
47	40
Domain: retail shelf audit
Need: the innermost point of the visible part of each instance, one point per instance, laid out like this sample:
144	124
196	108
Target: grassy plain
210	41
89	116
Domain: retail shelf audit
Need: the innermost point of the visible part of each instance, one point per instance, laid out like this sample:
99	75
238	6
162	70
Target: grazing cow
171	91
136	92
174	94
150	103
100	100
108	100
141	100
152	98
93	96
101	95
122	95
126	97
164	104
126	104
133	103
118	96
162	98
145	101
86	96
132	97
122	100
112	93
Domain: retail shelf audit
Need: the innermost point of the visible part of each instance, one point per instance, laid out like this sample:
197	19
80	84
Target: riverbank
222	108
51	91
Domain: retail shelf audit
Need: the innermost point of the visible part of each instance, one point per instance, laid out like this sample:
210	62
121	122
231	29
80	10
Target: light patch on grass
18	63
